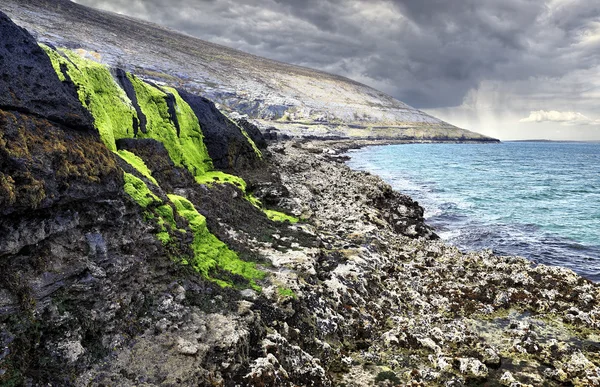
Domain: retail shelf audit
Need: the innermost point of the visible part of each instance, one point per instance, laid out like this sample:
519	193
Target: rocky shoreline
127	259
430	314
358	293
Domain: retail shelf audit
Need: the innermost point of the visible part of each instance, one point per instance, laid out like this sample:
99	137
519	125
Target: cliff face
295	100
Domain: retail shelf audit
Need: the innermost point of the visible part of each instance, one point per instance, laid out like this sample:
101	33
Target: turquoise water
539	200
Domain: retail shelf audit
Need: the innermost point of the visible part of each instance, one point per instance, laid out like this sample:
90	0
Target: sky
511	69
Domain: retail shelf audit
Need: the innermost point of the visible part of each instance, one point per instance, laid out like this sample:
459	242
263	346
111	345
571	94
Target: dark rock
271	134
157	159
403	213
253	132
28	82
126	84
226	144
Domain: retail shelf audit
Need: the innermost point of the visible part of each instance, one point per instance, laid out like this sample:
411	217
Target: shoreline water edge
521	199
437	315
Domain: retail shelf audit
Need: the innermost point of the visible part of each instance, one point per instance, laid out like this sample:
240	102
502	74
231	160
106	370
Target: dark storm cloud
427	53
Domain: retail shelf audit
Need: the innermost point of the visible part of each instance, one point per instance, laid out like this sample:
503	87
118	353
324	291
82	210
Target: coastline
537	218
136	260
453	316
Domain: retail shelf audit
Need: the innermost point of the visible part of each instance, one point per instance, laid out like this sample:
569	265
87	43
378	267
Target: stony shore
359	293
393	310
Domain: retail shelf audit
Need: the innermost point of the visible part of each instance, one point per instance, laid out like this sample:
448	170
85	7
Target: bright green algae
138	190
277	216
98	91
186	150
209	252
138	164
114	115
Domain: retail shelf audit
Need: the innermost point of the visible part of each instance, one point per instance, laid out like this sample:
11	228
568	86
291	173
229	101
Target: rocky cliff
295	101
146	239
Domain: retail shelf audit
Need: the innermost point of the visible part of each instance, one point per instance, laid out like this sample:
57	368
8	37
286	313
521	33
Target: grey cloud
427	53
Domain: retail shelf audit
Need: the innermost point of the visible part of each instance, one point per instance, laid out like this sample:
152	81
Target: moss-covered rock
210	253
99	93
137	163
278	216
138	190
228	144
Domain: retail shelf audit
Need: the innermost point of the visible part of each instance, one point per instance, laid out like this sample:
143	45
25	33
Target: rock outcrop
226	141
26	86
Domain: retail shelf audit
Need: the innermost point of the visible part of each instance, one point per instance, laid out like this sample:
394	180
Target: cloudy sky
511	69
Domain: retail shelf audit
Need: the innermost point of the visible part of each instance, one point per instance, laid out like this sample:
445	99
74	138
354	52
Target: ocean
539	200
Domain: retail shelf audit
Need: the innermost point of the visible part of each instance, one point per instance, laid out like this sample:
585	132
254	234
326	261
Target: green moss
164	237
138	190
285	292
254	200
214	177
114	114
137	163
186	150
277	216
100	94
210	253
166	213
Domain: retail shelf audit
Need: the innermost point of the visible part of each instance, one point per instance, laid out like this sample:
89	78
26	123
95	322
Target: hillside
297	101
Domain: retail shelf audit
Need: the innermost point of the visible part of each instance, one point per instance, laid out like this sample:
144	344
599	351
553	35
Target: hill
295	100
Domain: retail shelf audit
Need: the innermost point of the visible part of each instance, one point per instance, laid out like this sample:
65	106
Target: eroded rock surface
27	84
